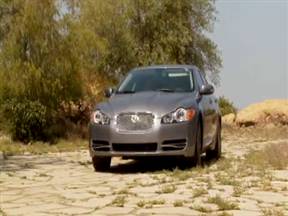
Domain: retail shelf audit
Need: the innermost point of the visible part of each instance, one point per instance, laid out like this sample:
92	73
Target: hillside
267	112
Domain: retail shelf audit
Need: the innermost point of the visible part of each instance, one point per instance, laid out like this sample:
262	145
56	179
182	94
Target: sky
252	36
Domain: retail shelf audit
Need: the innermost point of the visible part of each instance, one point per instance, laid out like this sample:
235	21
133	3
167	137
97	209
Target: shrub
222	203
28	120
226	106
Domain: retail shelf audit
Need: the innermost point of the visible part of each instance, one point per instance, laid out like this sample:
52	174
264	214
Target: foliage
28	119
174	32
226	106
58	53
137	32
36	60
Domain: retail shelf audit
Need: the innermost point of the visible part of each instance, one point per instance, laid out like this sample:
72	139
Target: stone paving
65	184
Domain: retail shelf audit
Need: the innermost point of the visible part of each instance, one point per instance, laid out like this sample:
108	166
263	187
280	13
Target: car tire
101	164
216	152
197	160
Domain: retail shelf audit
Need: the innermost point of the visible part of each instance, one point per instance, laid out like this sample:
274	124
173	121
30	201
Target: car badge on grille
135	118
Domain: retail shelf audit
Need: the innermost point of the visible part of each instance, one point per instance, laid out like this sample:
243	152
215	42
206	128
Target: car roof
166	66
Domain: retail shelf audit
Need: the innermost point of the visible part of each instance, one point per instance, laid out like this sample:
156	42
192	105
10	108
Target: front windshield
164	79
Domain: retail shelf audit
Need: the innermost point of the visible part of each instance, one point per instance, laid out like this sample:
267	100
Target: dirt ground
65	184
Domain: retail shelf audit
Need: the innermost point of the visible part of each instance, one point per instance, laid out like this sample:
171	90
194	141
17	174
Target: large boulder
270	111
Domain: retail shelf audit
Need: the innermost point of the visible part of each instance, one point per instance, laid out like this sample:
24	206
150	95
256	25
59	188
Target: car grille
135	121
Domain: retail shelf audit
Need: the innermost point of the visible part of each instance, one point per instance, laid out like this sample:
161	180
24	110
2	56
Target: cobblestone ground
65	184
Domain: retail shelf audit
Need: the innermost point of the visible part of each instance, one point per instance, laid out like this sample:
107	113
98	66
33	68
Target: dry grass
124	191
260	133
178	203
201	208
225	179
199	192
222	203
225	214
167	189
150	203
238	190
224	164
272	212
178	174
10	147
182	175
119	201
273	155
2	213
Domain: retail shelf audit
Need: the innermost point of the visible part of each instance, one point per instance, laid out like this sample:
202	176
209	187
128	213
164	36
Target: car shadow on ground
150	165
129	166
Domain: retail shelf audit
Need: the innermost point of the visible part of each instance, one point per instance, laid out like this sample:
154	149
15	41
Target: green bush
28	120
226	106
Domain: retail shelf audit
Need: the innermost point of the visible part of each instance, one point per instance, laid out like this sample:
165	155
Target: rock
269	111
229	119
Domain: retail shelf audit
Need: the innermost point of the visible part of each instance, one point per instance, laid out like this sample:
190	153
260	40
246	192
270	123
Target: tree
226	106
169	32
144	32
57	53
37	63
37	59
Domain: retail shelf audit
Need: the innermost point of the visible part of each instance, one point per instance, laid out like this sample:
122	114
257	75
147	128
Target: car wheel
196	160
216	152
101	164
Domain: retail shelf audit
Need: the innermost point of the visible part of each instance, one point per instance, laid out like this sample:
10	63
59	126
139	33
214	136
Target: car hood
158	103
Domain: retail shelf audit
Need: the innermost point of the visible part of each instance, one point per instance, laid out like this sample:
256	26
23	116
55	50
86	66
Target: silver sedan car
157	111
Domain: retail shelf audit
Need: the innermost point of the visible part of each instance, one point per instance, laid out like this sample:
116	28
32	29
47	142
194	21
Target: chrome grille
135	121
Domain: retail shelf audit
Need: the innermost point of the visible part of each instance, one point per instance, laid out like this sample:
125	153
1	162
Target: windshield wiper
166	90
125	92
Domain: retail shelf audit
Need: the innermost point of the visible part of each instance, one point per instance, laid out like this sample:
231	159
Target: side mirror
108	92
206	89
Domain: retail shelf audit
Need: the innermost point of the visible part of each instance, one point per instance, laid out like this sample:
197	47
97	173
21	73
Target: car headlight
179	115
99	117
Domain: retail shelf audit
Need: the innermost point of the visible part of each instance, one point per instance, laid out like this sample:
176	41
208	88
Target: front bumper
162	140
